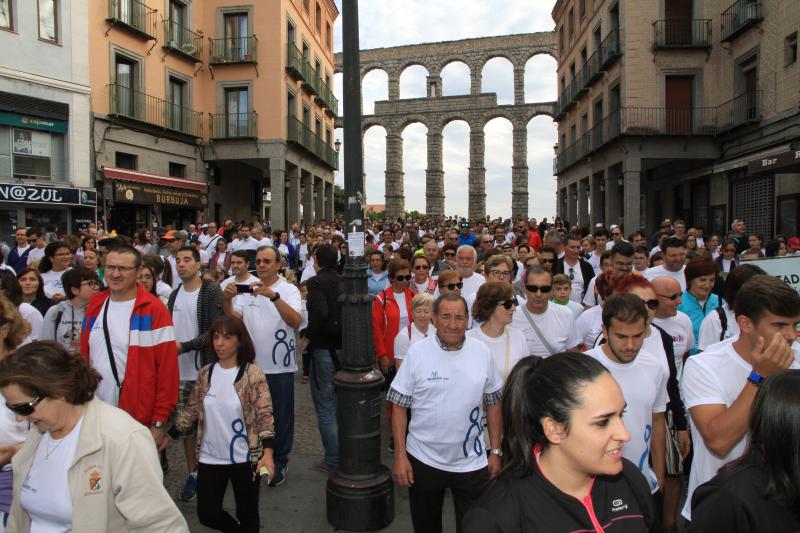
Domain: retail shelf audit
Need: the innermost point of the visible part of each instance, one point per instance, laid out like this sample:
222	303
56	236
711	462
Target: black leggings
212	482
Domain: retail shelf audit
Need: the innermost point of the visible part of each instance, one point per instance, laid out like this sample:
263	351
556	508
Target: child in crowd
562	287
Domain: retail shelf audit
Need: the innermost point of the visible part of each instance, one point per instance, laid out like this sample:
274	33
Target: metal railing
669	121
301	134
294	60
739	110
133	15
682	33
593	68
739	17
234	125
610	49
232	50
142	107
327	98
182	40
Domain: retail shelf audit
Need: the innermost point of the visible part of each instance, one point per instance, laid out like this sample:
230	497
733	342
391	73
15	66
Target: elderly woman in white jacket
86	466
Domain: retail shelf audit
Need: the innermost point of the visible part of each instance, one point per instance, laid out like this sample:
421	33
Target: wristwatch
496	451
276	297
157	424
755	378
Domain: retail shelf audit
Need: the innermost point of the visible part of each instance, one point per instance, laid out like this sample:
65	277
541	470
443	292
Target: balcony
141	107
232	50
740	110
739	17
294	61
593	68
301	134
299	68
182	41
326	99
234	125
133	16
567	99
610	49
669	121
682	33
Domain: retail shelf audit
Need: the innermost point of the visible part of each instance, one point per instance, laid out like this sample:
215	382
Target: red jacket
150	385
534	240
386	321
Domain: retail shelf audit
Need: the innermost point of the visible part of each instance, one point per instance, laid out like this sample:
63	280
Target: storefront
66	209
781	172
134	200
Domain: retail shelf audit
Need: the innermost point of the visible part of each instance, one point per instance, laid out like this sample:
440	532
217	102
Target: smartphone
241	288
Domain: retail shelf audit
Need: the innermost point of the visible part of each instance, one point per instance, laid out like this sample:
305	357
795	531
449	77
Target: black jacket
324	329
735	501
586	271
621	503
209	307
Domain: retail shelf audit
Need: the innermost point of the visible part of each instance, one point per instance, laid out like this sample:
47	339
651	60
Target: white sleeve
292	298
699	385
494	379
589	298
47	329
580	331
35	319
710	330
401	343
403	382
661	397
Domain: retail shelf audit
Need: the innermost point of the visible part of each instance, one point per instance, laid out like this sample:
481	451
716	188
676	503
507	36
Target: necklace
48	452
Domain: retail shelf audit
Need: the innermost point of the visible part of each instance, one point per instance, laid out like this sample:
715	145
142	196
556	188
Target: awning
152	179
788	161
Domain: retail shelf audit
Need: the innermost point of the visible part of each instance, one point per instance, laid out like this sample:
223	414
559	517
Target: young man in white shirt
600	236
36	237
271	314
547	327
674	322
720	324
674	262
579	272
643	381
443	448
241	276
719	385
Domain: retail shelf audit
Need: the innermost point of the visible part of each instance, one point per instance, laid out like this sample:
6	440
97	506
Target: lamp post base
361	505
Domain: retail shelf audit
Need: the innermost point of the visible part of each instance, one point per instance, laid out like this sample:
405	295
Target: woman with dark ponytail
563	468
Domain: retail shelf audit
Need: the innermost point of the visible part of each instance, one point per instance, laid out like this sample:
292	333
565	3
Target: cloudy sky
389	23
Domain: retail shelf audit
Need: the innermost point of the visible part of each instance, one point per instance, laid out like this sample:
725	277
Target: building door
678	104
126	83
678	22
176	119
750	87
237	107
236	33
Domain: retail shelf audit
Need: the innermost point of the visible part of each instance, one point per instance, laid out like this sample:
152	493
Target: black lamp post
360	496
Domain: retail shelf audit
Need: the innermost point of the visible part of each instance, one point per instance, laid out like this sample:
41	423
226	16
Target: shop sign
143	193
37	194
775	161
31	143
36	123
786	269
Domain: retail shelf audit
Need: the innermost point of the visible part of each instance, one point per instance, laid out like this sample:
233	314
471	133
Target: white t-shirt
184	320
471	284
577	281
119	326
727	264
272	337
35	255
713	377
575	307
588	327
68	329
644	386
45	493
308	270
590	298
680	329
594	260
11	431
447	390
506	350
711	328
556	324
176	279
395	246
660	271
224	435
52	283
227	281
32	316
400	298
402	341
163	290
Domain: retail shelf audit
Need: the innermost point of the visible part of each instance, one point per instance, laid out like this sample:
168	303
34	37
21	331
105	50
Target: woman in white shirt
422	282
56	261
494	308
419	328
11	289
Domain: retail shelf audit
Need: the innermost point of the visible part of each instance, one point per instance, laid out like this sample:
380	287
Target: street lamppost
360	495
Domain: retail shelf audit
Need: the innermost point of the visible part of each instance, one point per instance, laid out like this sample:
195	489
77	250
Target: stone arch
540	78
374	157
451	81
376	80
370	122
497	76
408	120
542	135
447	118
456	130
414	133
417	87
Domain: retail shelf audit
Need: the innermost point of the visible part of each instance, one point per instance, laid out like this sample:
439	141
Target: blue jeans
281	388
323	393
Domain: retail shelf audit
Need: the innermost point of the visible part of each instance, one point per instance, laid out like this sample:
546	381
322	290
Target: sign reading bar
37	194
153	194
773	162
786	269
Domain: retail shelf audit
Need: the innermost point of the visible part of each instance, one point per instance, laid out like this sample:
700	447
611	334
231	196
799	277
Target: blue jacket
469	239
697	312
374	286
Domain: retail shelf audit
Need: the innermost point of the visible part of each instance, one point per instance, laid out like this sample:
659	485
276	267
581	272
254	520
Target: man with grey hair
738	235
466	260
433	254
555	240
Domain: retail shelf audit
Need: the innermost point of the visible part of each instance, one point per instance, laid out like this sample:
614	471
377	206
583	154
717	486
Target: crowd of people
553	377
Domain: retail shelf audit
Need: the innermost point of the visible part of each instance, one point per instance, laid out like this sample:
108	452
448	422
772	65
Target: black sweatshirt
616	504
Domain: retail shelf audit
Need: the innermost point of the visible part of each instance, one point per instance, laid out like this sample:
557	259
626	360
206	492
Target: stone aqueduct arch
436	111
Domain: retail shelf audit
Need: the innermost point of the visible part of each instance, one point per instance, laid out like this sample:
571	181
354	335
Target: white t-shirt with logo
711	328
644	386
680	329
713	377
506	350
52	283
577	281
35	255
224	434
119	326
659	271
184	320
403	340
447	390
588	327
556	324
272	337
594	260
45	493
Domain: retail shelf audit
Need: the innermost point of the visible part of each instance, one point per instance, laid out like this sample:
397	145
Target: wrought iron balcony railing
610	49
234	125
301	134
183	41
134	16
294	61
682	33
739	17
231	50
142	107
740	110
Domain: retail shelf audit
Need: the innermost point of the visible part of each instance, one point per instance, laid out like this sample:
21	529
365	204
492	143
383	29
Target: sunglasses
508	304
535	288
25	409
420	267
672	297
449	254
571	274
651	304
543	260
403	278
454	286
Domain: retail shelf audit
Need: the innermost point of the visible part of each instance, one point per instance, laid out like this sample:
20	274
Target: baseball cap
204	226
794	243
172	235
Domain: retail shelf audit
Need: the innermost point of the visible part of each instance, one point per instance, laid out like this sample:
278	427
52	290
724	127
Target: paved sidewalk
298	505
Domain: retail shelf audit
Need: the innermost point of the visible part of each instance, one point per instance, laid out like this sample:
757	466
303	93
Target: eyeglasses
403	278
25	409
508	304
616	234
119	268
672	297
544	289
92	284
500	273
543	260
651	304
420	267
623	265
454	286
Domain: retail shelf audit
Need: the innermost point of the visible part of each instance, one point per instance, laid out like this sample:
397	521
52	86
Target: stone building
214	109
678	108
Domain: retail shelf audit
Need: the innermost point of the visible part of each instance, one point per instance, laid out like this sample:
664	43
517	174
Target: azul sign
47	195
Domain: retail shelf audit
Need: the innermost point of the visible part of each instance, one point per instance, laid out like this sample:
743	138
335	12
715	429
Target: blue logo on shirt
477	441
238	433
280	337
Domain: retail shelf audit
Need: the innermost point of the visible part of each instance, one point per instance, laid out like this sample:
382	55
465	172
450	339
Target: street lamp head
337	144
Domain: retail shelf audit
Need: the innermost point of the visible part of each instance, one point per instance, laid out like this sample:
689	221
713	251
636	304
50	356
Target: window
176	170
319	126
177	22
561	39
32	154
6	14
291	104
328	36
790	51
306	51
582	8
306	115
236	34
126	78
319	19
290	35
306	6
178	115
237	111
571	22
48	20
123	160
318	67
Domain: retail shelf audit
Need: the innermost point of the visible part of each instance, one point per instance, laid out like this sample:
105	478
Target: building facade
212	110
679	108
45	172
